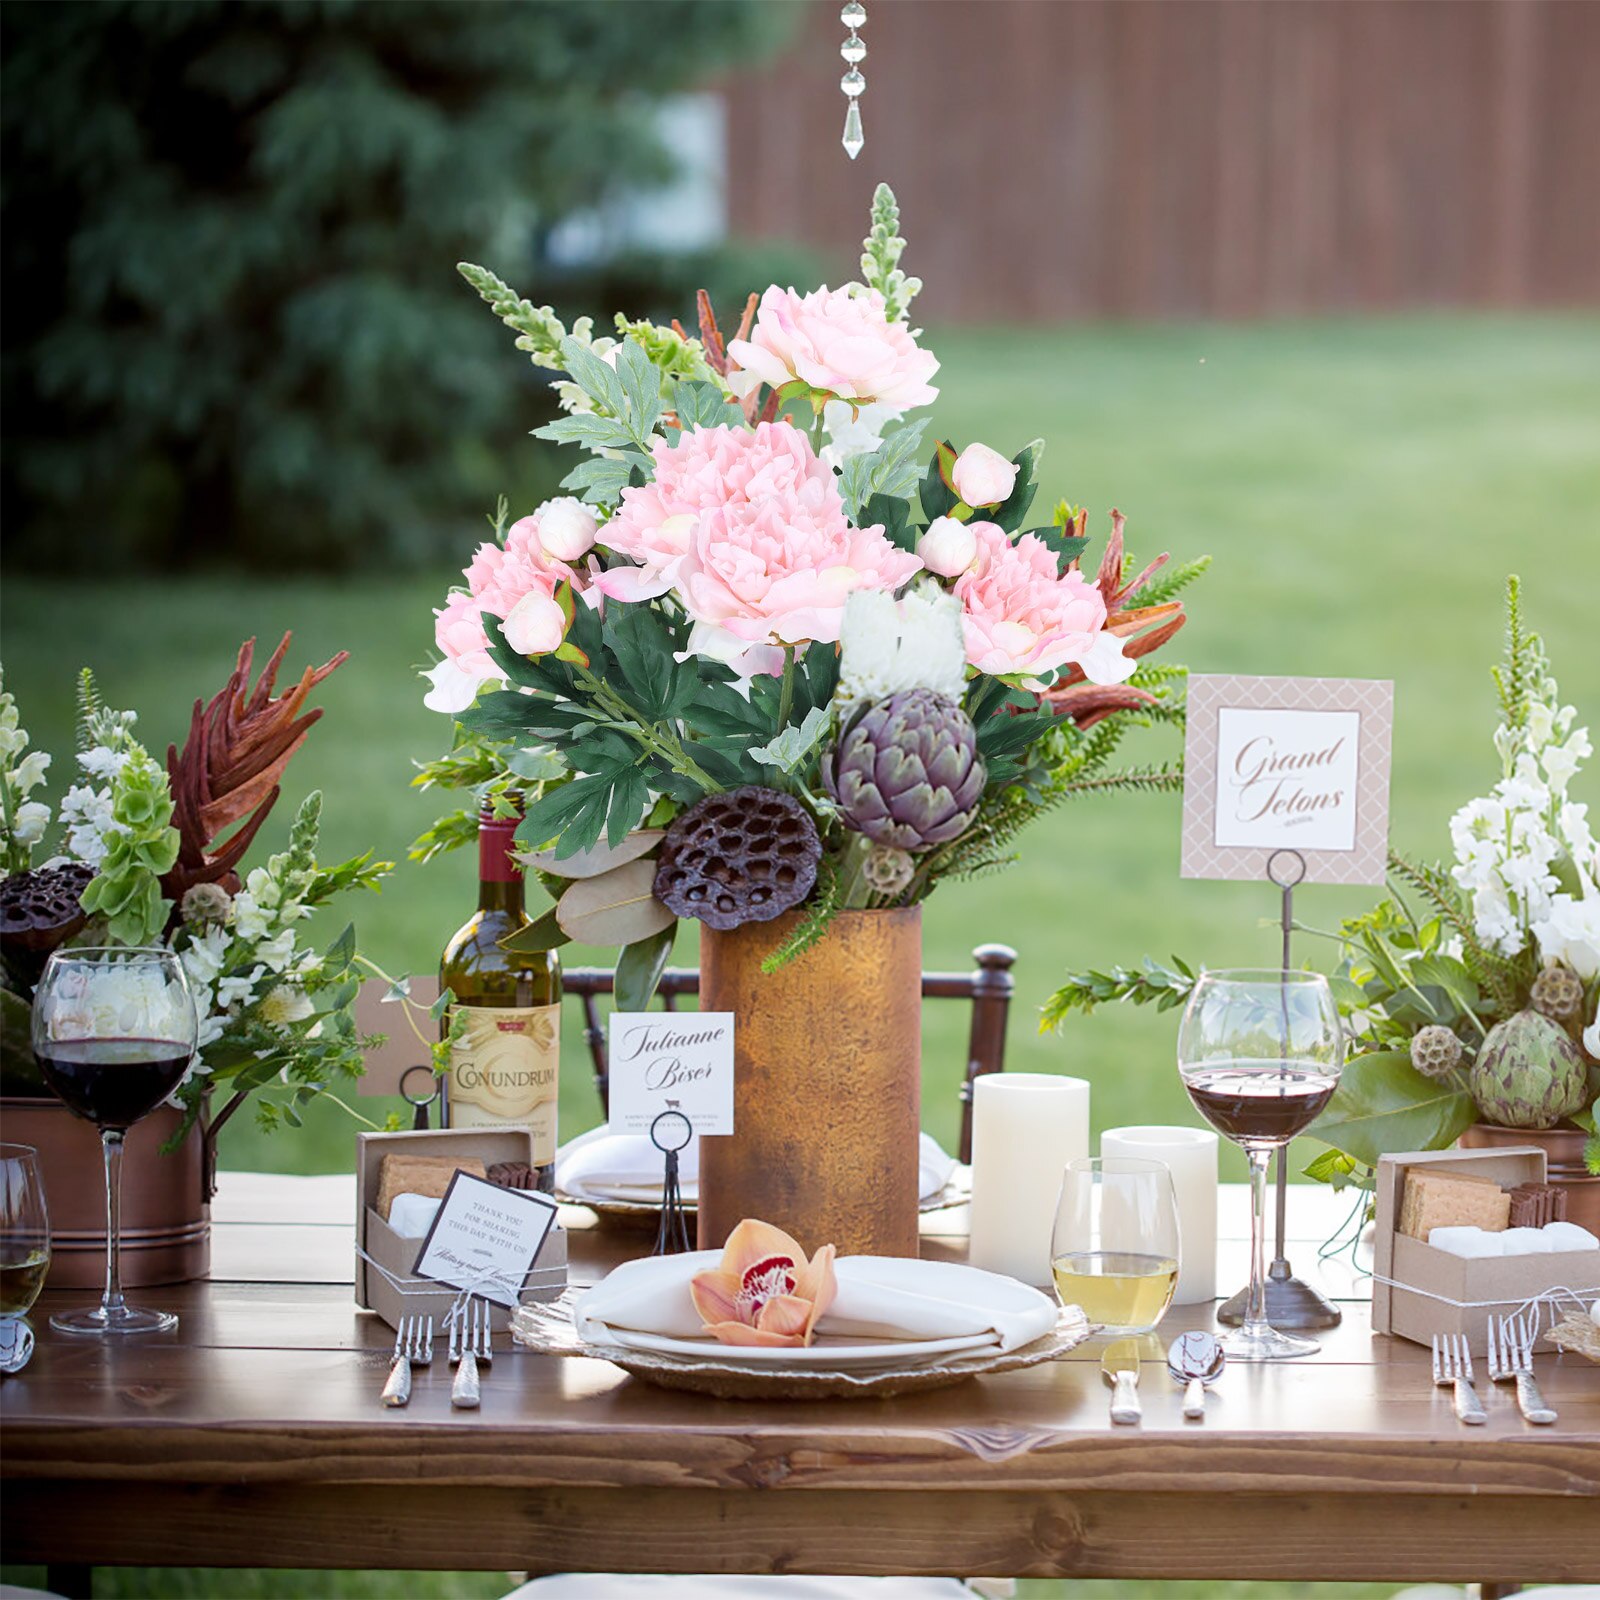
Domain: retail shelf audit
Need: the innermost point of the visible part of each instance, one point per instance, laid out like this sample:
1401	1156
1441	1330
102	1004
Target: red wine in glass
1260	1102
113	1082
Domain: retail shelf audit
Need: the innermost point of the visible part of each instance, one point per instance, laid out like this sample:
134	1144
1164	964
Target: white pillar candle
1026	1126
1191	1153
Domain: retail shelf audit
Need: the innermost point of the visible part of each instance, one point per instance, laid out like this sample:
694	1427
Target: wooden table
253	1437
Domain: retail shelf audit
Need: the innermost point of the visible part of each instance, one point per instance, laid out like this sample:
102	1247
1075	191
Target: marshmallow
1469	1242
1569	1236
412	1215
1526	1242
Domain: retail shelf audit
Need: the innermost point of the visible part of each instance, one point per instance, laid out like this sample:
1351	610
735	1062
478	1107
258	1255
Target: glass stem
111	1142
1255	1314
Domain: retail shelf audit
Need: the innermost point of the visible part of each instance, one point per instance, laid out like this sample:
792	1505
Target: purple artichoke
906	772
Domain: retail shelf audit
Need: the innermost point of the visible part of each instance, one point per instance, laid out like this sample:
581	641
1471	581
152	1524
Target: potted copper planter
827	1084
1563	1148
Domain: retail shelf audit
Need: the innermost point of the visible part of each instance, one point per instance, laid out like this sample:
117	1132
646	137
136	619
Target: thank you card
1287	764
670	1061
485	1239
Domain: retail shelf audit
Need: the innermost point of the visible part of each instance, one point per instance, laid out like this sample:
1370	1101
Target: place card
1297	764
667	1061
485	1238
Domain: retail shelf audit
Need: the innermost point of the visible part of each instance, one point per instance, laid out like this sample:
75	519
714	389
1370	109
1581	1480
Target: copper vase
1564	1165
166	1221
827	1085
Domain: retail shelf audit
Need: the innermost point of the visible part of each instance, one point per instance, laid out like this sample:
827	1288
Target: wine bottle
504	1068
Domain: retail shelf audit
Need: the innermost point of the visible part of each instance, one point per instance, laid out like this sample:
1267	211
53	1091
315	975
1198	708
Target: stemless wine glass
1260	1052
113	1033
24	1250
1114	1248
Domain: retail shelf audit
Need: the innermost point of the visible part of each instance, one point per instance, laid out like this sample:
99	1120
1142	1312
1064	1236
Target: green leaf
937	497
641	382
592	432
543	933
702	405
447	998
1384	1104
894	515
594	377
619	907
1066	547
599	480
794	744
625	810
890	470
639	969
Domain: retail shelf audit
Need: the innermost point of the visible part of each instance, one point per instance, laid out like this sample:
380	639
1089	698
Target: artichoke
1528	1073
906	772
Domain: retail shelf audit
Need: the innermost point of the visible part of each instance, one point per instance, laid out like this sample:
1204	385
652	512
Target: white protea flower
887	646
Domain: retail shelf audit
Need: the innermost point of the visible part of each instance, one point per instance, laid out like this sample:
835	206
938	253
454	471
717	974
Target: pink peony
1019	616
498	580
750	531
947	547
983	477
838	342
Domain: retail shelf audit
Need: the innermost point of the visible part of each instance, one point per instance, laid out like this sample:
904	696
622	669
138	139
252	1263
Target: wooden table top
253	1436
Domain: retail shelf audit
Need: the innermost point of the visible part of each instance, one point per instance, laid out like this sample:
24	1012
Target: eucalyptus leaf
639	969
794	744
543	933
1384	1104
618	907
598	858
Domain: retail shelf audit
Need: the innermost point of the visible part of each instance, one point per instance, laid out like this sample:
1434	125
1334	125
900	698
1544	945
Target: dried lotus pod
512	1175
745	856
39	910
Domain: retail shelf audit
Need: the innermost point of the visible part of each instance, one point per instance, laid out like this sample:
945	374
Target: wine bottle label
505	1069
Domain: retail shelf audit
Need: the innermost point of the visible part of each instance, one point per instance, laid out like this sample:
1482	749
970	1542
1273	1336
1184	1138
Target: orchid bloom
764	1291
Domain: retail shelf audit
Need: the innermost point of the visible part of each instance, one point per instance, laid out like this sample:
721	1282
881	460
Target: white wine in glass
1114	1247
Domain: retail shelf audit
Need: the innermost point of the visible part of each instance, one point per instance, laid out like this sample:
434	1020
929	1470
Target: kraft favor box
1431	1291
384	1282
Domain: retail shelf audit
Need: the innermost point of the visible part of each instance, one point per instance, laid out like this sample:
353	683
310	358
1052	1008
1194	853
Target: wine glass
1114	1248
24	1250
1260	1052
113	1033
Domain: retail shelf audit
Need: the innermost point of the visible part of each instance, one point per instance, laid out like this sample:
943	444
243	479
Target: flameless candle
1191	1153
1026	1126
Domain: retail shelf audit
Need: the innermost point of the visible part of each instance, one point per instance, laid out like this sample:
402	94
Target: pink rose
750	531
947	547
839	342
983	477
1019	616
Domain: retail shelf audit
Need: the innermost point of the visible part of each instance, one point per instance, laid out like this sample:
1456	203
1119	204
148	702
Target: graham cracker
1451	1200
426	1175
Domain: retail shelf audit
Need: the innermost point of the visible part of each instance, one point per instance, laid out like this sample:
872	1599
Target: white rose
535	624
1570	933
567	529
983	477
947	547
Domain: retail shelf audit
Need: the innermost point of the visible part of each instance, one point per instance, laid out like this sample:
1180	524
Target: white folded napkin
880	1297
602	1165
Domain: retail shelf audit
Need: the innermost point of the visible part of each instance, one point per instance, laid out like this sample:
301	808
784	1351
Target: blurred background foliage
229	228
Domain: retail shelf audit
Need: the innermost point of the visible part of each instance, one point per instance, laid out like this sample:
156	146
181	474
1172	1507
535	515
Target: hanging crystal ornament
853	16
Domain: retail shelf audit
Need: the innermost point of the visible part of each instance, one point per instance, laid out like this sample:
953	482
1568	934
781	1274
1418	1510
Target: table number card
669	1061
485	1238
1287	764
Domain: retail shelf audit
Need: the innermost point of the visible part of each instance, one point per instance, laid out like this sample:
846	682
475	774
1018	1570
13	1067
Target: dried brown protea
228	773
744	856
39	911
1143	628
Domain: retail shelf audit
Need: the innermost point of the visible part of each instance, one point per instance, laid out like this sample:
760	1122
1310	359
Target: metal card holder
669	1133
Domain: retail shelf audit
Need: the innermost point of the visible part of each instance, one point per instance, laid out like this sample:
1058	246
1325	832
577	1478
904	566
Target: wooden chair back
988	988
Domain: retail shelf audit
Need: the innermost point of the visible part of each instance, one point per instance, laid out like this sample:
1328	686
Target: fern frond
1490	971
1164	779
1171	580
811	927
89	707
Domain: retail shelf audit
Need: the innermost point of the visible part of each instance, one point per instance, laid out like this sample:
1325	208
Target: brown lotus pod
39	911
512	1175
745	856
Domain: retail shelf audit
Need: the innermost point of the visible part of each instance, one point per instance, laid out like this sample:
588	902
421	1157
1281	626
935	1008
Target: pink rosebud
567	529
983	477
948	547
535	624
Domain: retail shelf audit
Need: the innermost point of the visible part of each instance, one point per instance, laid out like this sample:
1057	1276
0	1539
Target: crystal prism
854	139
854	14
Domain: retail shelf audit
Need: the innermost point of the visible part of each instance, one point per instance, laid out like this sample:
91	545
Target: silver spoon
1196	1361
16	1344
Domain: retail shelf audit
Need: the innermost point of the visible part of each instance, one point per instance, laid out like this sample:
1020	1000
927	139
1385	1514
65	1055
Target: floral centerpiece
792	667
1471	994
151	855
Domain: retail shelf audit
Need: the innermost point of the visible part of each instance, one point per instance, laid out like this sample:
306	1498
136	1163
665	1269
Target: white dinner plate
827	1353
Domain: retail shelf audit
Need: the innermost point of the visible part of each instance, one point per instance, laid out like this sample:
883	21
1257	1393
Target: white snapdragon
86	816
32	818
104	763
1570	933
238	989
277	952
887	646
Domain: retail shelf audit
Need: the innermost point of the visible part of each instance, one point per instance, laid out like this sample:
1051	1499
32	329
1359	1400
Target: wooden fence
1175	158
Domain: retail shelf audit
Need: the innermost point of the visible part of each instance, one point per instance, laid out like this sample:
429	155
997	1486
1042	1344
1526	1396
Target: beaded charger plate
548	1330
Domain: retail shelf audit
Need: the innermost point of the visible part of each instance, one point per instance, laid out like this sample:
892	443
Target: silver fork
413	1345
1452	1364
469	1344
1511	1360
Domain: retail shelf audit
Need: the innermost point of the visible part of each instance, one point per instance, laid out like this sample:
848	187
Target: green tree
235	330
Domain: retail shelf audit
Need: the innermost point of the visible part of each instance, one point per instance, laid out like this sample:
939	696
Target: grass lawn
1365	485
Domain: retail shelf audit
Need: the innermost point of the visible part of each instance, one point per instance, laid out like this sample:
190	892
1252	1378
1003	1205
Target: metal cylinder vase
827	1083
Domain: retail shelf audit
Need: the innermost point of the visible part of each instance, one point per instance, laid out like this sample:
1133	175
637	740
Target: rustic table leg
70	1581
